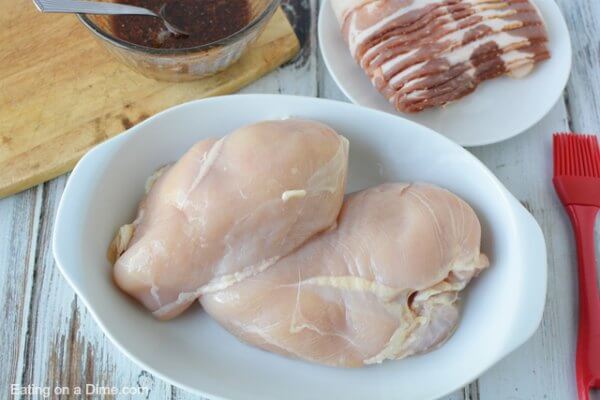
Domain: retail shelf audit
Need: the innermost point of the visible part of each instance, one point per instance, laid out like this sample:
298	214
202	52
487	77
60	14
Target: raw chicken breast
230	209
383	285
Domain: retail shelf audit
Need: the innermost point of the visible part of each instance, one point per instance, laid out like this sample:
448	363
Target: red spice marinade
205	20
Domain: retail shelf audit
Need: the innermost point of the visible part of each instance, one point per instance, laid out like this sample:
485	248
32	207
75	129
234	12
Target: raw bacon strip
426	53
468	79
454	48
475	24
490	57
503	41
411	19
439	23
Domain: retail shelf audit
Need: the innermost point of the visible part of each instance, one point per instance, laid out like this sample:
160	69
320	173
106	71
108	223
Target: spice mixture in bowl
217	34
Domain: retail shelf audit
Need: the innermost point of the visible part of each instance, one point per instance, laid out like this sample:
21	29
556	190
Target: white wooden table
47	337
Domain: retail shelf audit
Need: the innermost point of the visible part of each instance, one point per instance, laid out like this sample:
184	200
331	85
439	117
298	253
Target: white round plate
502	307
499	109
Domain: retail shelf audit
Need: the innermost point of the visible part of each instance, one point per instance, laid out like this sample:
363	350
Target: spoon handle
88	7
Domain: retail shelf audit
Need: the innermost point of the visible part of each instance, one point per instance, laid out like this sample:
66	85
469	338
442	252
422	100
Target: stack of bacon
427	53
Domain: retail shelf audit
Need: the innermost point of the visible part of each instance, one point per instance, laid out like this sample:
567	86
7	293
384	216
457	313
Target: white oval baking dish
502	307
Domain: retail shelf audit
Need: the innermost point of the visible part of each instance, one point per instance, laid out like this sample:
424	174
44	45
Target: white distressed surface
583	90
48	338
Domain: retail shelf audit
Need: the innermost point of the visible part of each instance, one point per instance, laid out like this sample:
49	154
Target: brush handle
583	219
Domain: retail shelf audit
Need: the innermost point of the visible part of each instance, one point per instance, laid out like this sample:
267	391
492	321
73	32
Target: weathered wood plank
19	222
583	89
64	347
298	76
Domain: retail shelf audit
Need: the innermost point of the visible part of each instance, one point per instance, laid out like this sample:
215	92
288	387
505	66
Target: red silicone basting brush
577	182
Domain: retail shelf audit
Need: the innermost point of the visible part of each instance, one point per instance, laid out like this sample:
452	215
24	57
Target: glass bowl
183	64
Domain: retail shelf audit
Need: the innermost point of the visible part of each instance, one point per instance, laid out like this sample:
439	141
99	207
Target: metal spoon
94	7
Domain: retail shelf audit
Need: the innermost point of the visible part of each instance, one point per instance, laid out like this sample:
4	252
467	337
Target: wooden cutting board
61	93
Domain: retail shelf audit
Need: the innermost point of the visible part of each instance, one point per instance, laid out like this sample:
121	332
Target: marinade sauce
205	21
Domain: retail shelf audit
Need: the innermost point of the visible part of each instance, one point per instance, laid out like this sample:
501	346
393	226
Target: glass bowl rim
269	9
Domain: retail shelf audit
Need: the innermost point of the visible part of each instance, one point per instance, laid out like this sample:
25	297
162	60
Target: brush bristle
576	155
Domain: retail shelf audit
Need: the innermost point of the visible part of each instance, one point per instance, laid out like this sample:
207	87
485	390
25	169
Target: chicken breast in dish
228	210
383	285
427	53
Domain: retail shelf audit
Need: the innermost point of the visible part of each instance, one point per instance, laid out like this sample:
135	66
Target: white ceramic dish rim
325	4
536	277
